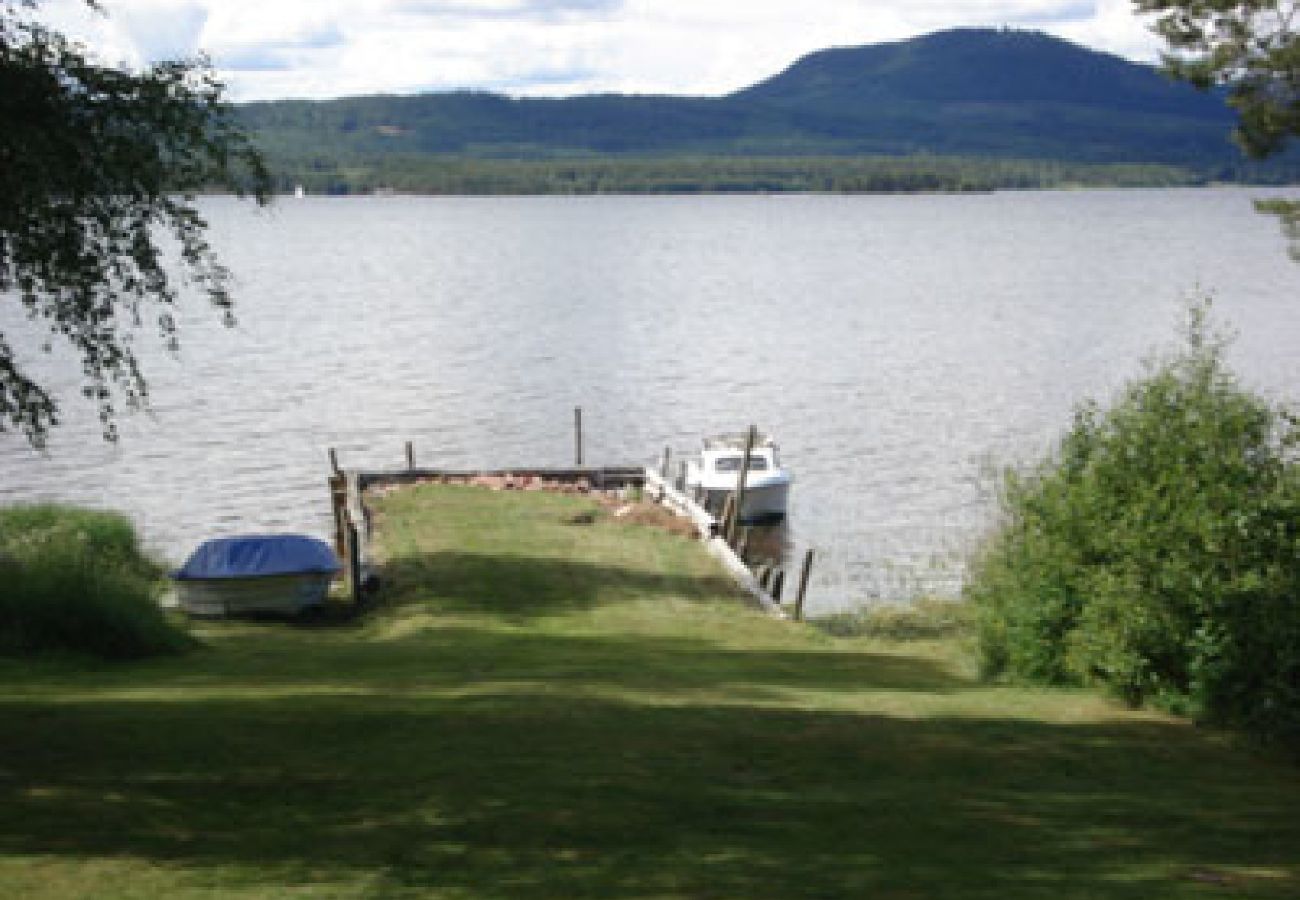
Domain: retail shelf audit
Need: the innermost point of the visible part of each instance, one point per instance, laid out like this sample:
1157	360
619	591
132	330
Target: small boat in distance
262	573
716	473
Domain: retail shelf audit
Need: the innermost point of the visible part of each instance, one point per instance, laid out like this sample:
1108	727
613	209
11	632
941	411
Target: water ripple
900	348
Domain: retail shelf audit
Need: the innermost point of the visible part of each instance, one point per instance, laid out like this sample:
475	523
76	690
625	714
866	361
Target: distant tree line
421	174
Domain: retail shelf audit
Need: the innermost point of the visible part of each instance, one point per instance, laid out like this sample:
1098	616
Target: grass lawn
545	709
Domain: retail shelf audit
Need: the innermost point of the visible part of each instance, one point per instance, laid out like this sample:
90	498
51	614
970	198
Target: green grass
927	617
540	709
76	581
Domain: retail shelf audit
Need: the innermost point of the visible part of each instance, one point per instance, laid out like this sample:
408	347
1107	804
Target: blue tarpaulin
258	555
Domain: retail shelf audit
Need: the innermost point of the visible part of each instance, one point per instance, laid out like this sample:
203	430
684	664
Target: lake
900	348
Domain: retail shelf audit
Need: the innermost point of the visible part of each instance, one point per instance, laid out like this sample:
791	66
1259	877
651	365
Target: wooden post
777	584
681	476
334	462
338	506
750	440
577	436
742	544
354	562
724	523
803	585
410	456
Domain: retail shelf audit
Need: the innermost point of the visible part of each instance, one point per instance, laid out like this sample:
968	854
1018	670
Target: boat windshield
732	463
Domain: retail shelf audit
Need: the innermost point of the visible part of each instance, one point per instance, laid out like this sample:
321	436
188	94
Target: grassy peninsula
549	702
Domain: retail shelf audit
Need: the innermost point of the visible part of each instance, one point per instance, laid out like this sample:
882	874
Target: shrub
75	580
1156	552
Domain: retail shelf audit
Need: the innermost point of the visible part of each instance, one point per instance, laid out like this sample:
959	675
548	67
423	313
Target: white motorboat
716	473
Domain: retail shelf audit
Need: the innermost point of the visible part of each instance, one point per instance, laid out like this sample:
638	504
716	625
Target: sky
271	49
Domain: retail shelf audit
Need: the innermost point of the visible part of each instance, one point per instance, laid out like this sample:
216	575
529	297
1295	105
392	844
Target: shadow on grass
536	795
433	646
451	657
474	758
524	587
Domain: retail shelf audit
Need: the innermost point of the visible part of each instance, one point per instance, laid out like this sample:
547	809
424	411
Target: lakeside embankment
550	702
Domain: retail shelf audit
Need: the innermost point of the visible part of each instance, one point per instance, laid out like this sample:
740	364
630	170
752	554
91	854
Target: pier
761	578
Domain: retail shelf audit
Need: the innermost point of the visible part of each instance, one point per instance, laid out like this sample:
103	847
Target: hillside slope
966	91
990	91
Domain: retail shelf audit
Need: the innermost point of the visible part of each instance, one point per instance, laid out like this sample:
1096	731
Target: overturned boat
285	574
716	473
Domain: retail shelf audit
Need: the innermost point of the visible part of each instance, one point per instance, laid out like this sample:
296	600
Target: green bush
1156	552
76	580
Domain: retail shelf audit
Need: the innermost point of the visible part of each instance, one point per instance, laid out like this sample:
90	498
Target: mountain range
984	93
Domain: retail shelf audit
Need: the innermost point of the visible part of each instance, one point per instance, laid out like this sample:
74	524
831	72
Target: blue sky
266	49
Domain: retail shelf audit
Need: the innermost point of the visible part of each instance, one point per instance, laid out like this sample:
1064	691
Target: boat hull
277	594
764	504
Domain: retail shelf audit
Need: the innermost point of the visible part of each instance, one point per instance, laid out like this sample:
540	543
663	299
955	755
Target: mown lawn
545	709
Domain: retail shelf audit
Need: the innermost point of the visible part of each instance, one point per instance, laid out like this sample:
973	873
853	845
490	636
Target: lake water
899	347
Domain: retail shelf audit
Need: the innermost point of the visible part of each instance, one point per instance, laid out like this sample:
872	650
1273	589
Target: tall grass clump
75	580
1157	552
926	618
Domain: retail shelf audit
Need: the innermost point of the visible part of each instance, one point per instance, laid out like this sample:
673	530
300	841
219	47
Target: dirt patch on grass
494	482
651	515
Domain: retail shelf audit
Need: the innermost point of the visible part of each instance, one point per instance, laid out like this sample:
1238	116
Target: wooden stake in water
577	435
803	585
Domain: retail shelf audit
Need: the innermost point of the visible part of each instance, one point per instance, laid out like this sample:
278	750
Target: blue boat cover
258	555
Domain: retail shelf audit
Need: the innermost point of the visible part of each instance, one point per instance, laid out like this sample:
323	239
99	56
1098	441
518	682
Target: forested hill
980	93
998	92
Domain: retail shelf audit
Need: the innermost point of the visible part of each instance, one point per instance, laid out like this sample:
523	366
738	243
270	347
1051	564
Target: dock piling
750	439
803	585
354	562
338	483
725	521
577	435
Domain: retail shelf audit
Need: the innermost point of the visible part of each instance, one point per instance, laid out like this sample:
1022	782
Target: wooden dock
725	537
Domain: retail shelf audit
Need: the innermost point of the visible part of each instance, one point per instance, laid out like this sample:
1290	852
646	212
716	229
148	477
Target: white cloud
161	29
323	48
